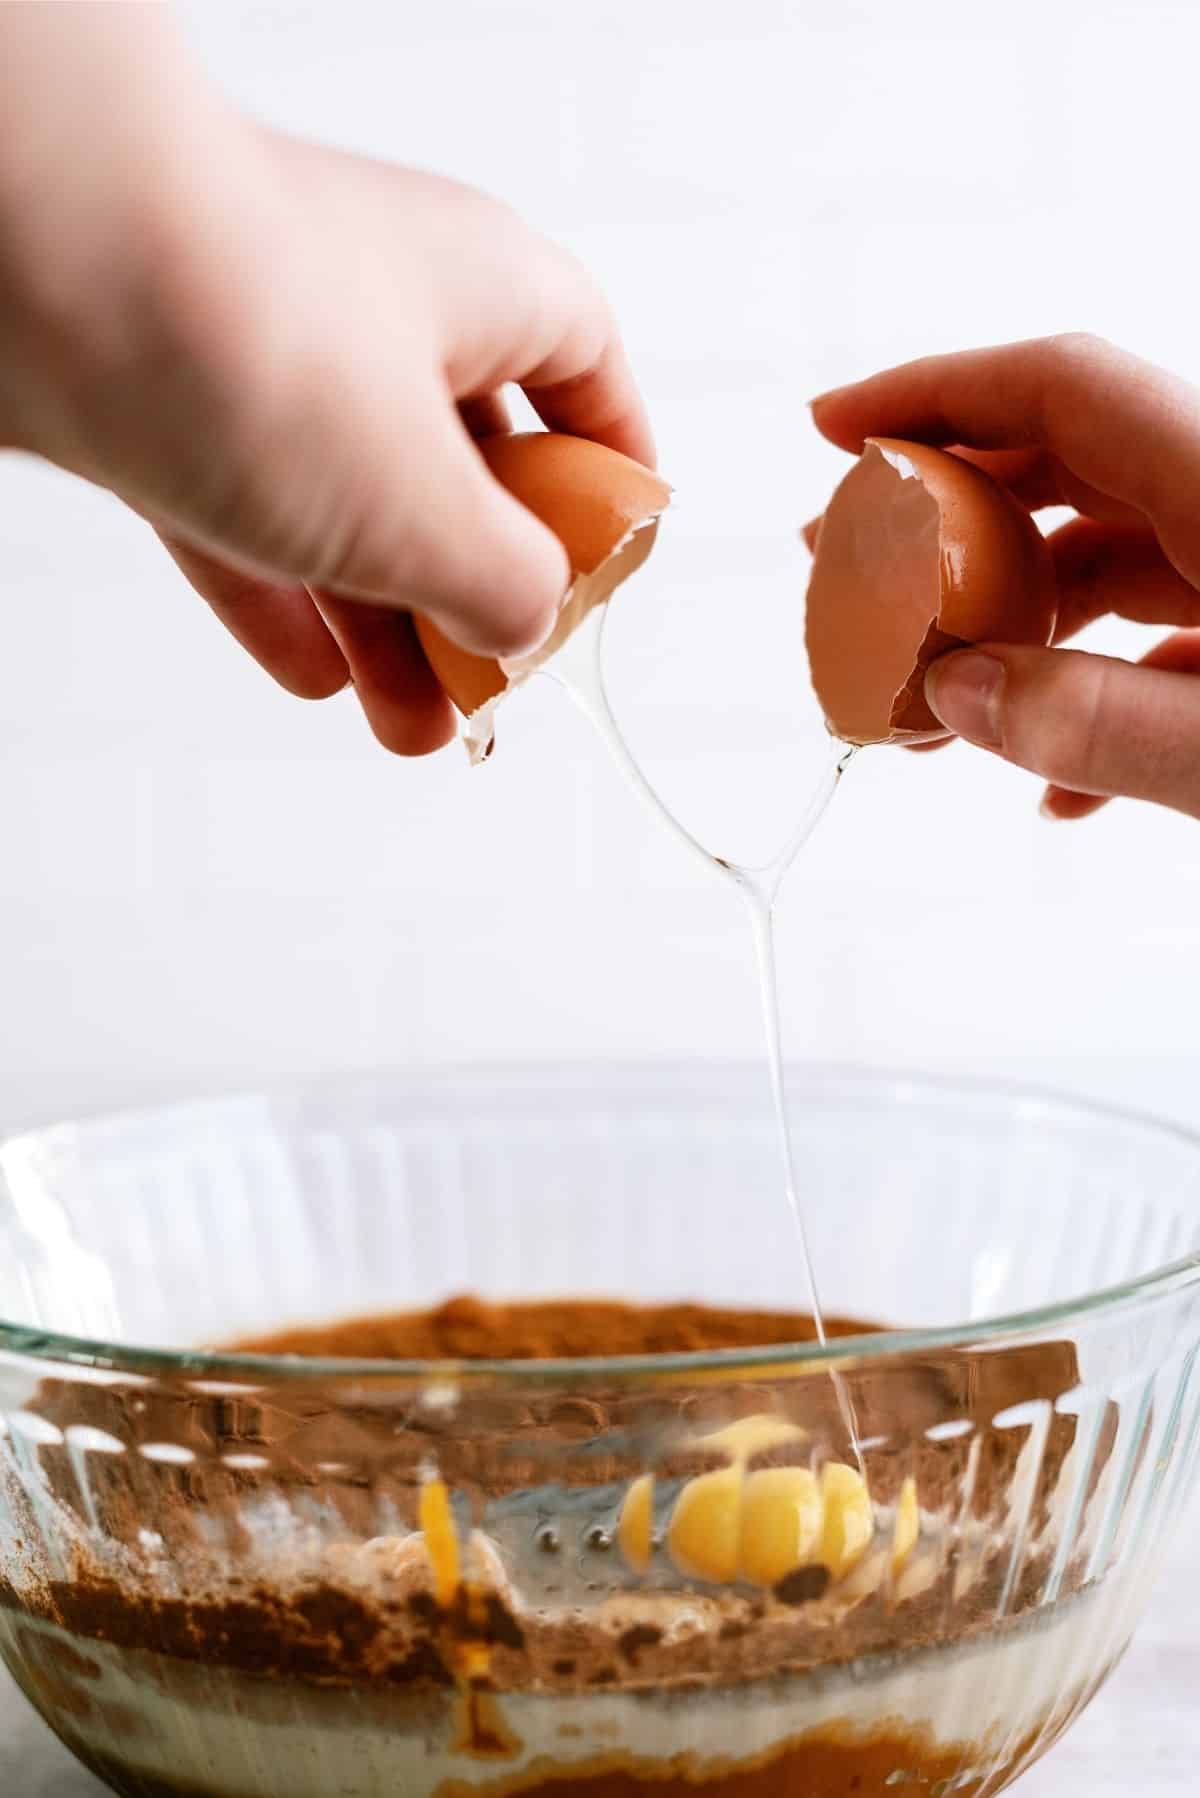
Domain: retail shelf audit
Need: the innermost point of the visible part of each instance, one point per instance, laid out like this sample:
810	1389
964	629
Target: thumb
444	538
1090	723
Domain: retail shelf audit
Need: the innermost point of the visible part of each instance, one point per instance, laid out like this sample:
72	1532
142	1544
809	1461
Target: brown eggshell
604	509
918	552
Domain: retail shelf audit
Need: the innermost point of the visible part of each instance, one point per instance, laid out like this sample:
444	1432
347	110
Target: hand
1071	421
278	355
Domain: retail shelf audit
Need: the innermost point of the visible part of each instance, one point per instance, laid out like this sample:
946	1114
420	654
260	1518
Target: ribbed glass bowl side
202	1557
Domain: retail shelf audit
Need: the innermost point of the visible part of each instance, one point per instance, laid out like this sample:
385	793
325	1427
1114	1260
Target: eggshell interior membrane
919	552
603	507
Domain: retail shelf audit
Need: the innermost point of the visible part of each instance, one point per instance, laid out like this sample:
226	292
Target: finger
278	624
485	415
1180	654
548	328
1039	480
1087	723
1031	475
1103	569
397	689
600	401
1127	429
356	475
433	531
508	305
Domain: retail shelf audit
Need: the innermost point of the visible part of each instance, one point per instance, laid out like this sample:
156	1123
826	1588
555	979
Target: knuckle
269	506
479	206
575	324
1070	365
1072	350
357	559
1092	711
594	304
572	271
345	556
368	527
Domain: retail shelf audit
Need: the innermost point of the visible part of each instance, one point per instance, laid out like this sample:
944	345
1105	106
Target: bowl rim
216	1365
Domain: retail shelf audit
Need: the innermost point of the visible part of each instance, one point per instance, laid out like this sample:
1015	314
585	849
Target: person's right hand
1071	421
278	354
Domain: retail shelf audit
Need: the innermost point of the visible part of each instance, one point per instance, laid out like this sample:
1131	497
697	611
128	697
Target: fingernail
830	393
964	691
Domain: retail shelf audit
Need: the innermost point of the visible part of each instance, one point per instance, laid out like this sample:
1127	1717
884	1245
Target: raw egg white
602	506
919	552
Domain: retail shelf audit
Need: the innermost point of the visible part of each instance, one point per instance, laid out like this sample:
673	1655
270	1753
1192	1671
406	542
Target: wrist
105	136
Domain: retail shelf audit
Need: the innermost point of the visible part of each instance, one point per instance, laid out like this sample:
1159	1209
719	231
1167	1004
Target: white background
202	880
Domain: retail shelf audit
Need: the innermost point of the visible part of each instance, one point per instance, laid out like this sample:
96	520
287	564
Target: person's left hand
1070	421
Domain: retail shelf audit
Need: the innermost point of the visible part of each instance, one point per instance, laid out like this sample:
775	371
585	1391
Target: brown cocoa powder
502	1439
472	1329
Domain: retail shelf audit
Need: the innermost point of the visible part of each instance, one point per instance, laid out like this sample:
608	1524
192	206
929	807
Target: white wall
202	880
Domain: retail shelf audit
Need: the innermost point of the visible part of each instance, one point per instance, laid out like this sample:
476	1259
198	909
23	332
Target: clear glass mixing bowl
226	1576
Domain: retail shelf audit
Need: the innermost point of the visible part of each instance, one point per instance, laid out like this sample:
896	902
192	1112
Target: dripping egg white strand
578	667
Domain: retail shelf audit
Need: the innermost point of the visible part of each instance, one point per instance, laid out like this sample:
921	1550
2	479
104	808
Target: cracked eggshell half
918	552
603	507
